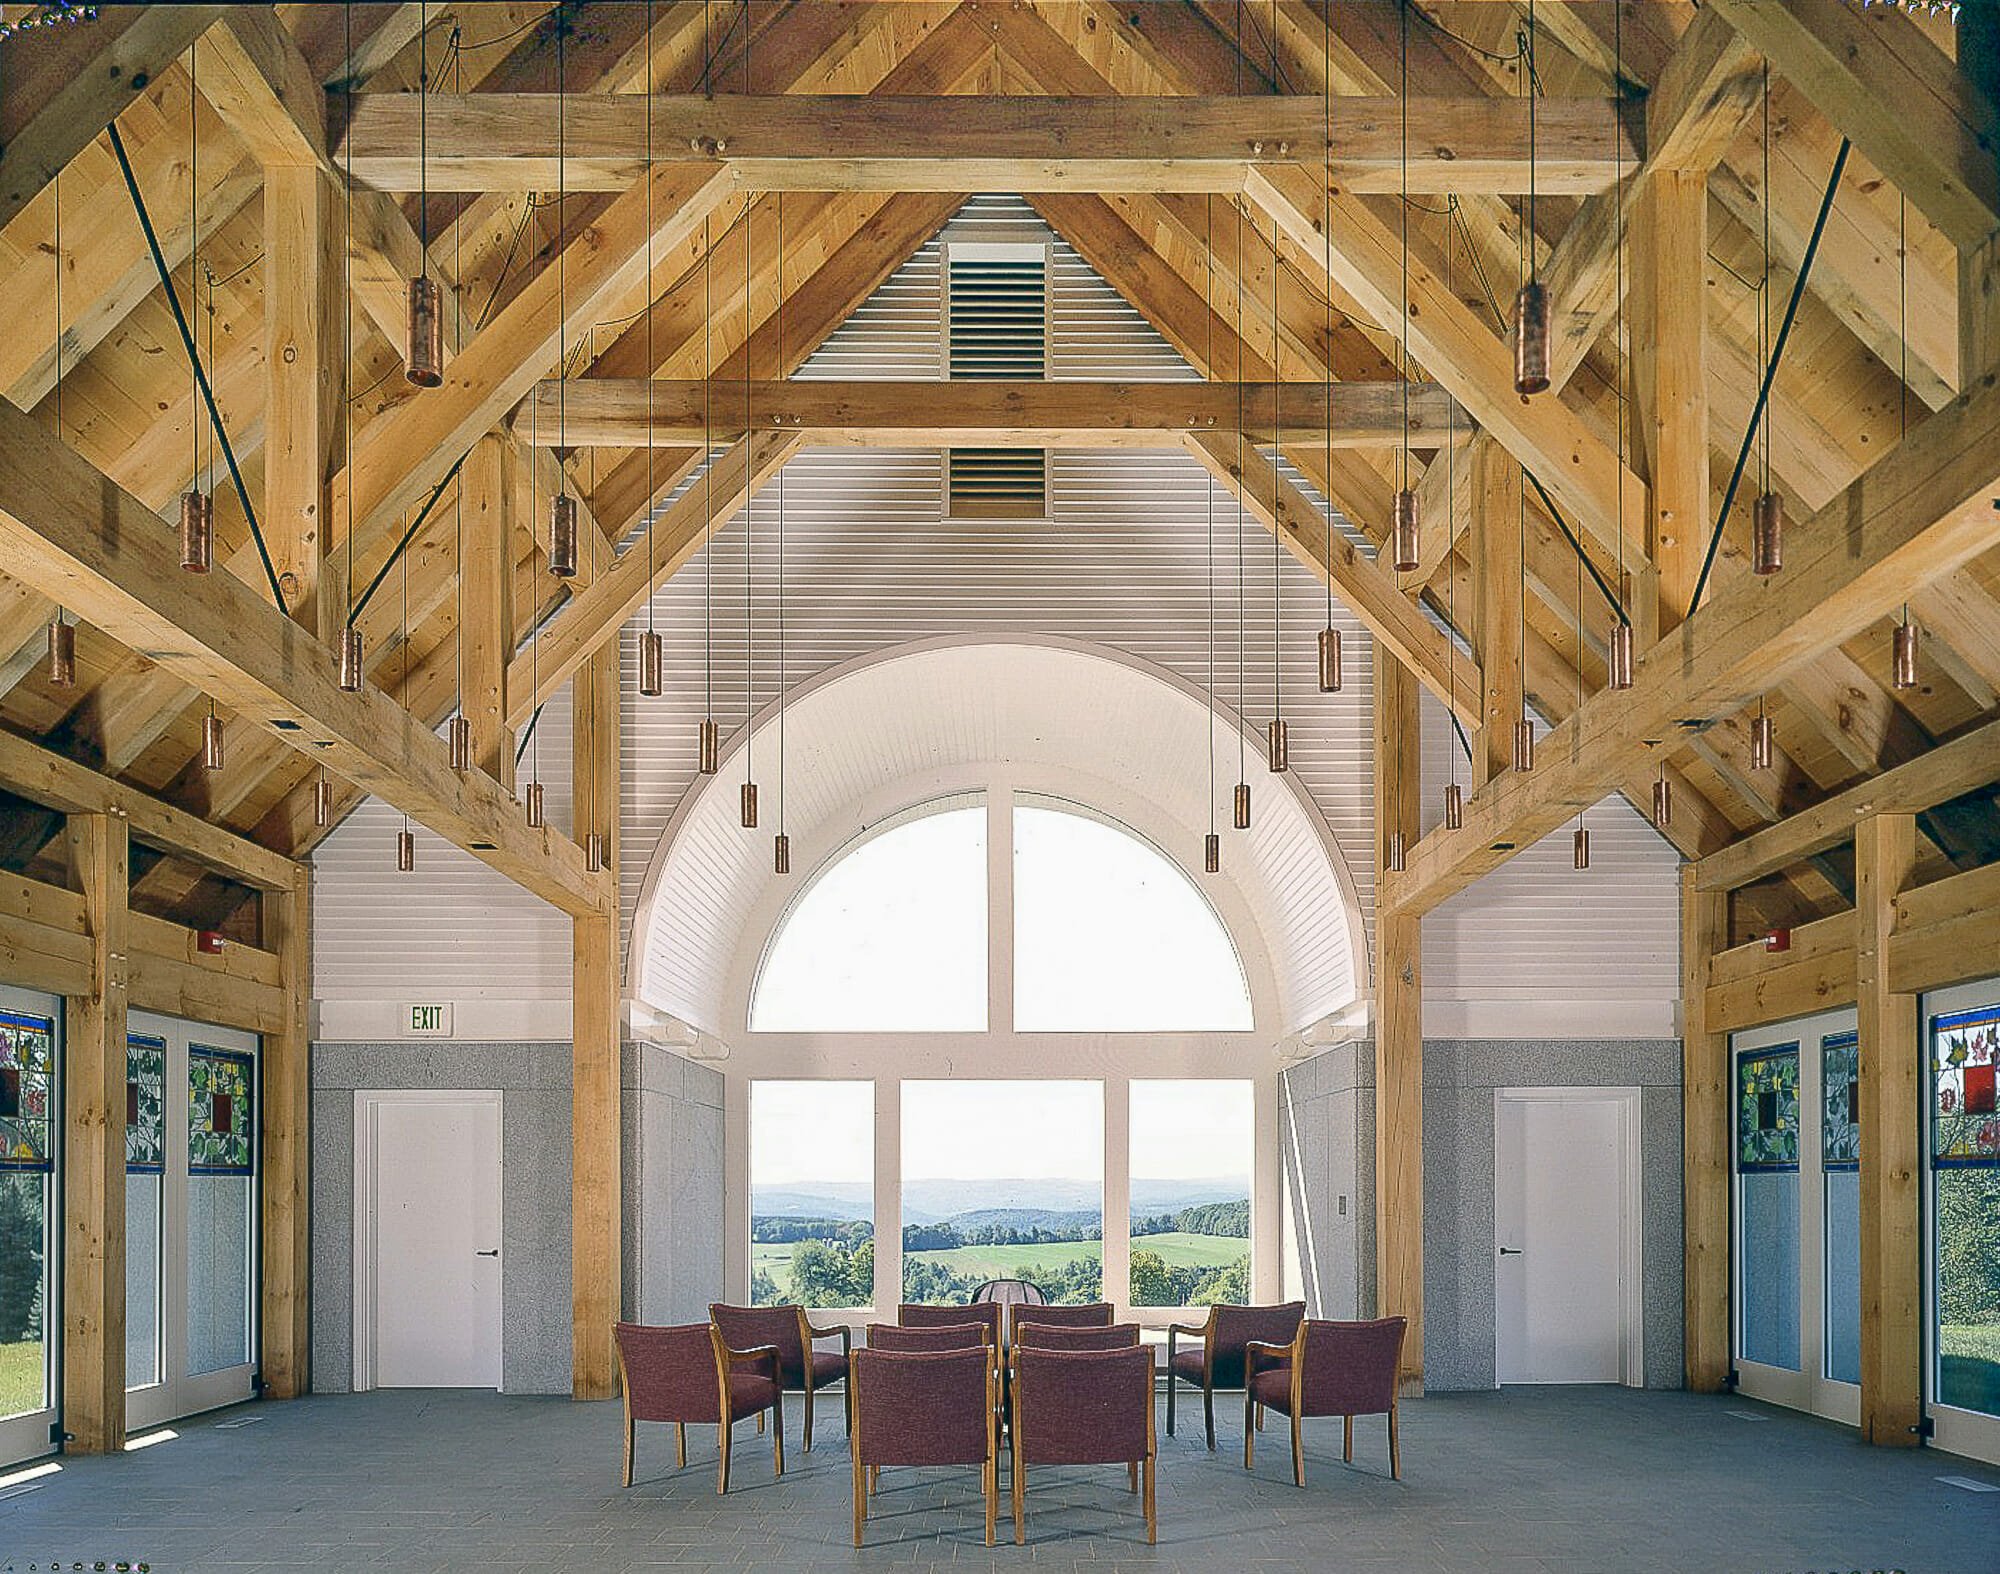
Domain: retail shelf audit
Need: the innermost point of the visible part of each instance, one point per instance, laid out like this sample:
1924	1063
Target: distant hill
1018	1203
1172	1196
1027	1218
814	1200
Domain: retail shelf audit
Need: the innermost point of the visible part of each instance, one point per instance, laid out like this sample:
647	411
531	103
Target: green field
1969	1366
1177	1248
20	1377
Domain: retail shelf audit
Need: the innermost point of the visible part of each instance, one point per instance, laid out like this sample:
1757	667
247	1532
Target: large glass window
812	1194
27	1165
1003	1180
1193	1143
1840	1172
1965	1179
221	1227
1767	1179
890	937
1111	937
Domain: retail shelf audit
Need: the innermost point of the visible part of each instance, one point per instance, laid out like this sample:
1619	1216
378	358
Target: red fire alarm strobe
208	941
1778	940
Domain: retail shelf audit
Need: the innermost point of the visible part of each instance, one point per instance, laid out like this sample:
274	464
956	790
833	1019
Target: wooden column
1399	1039
1891	1237
305	383
1707	1128
1496	583
486	629
285	1325
93	1189
1668	339
595	1263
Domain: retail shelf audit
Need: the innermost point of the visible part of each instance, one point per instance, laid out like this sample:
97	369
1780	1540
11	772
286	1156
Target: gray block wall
1327	1105
673	1190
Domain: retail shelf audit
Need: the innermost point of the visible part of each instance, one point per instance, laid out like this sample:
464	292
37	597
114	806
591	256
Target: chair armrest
844	1333
1261	1352
756	1355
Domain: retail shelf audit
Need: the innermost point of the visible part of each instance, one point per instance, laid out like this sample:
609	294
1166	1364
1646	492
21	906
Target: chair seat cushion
1273	1387
750	1392
1188	1364
829	1366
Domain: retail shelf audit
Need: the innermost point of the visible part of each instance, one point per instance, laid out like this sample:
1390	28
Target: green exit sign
427	1021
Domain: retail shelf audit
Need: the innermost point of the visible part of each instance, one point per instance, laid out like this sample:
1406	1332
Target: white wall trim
1535	1017
476	1018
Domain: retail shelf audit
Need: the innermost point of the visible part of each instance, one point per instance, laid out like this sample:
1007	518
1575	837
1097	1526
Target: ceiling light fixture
1663	799
423	335
211	740
1767	518
62	633
1531	303
562	507
197	529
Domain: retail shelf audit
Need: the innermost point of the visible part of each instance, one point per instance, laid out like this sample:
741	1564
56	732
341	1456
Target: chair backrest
1350	1368
1009	1292
916	1315
1236	1326
942	1336
1096	1315
922	1407
669	1372
1035	1335
1082	1407
746	1327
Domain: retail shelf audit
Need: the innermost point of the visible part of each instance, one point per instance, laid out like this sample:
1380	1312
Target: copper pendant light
1763	738
1395	858
1524	745
458	738
1663	800
1618	656
1767	534
62	653
710	746
1580	848
1277	739
1211	853
424	363
1242	816
322	802
1403	532
747	802
593	851
652	664
562	536
1531	339
1329	660
197	531
1454	807
1903	655
537	811
781	854
350	660
211	742
406	851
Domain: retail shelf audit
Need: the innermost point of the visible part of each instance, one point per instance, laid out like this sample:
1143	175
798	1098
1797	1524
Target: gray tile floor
1557	1479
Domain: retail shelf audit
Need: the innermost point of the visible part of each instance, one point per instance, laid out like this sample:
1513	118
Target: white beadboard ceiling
1123	562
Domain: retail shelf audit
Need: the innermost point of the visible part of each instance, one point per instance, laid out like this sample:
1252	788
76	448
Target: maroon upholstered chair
1328	1369
924	1407
803	1369
943	1336
672	1375
914	1314
1033	1335
1219	1361
1083	1407
1095	1315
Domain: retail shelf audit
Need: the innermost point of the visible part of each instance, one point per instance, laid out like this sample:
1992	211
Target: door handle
494	1253
1510	1251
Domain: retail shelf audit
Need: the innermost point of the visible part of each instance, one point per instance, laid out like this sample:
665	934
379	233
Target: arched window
890	935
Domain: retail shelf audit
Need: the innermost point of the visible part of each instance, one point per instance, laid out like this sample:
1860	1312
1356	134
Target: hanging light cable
652	649
562	507
1531	304
1329	636
1767	519
781	845
351	670
423	339
460	737
197	505
1454	795
1242	795
1524	726
747	796
62	632
1903	643
1277	741
1580	841
1211	846
708	746
535	799
1404	525
406	843
1618	644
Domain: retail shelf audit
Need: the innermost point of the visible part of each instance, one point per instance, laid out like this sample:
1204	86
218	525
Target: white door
427	1240
1565	1235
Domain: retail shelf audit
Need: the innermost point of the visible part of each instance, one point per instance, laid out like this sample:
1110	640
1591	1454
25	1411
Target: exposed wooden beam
80	539
253	74
637	411
486	615
888	142
1497	582
1706	1129
1923	510
285	1325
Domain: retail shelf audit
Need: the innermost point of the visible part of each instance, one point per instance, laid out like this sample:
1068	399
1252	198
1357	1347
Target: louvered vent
996	313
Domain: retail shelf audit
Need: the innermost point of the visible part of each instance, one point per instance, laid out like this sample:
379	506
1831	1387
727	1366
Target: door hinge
1733	1379
56	1433
1925	1427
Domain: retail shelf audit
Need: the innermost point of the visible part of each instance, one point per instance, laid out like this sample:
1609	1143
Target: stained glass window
221	1122
1965	1125
27	1074
145	1104
1840	1100
1767	1109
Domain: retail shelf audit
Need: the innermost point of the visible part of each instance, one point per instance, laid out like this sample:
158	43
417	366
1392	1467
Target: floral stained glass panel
27	1076
1840	1101
1965	1124
1767	1109
145	1104
221	1122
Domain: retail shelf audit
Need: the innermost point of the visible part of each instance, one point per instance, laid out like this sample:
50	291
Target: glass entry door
1797	1215
1962	1217
30	1228
190	1218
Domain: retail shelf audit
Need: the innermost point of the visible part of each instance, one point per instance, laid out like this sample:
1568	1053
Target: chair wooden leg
812	1393
1152	1517
1173	1384
760	1423
1249	1432
1020	1491
1298	1451
680	1446
874	1478
629	1424
1347	1440
860	1500
1208	1414
990	1480
1395	1451
1132	1475
722	1470
778	1434
1260	1418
